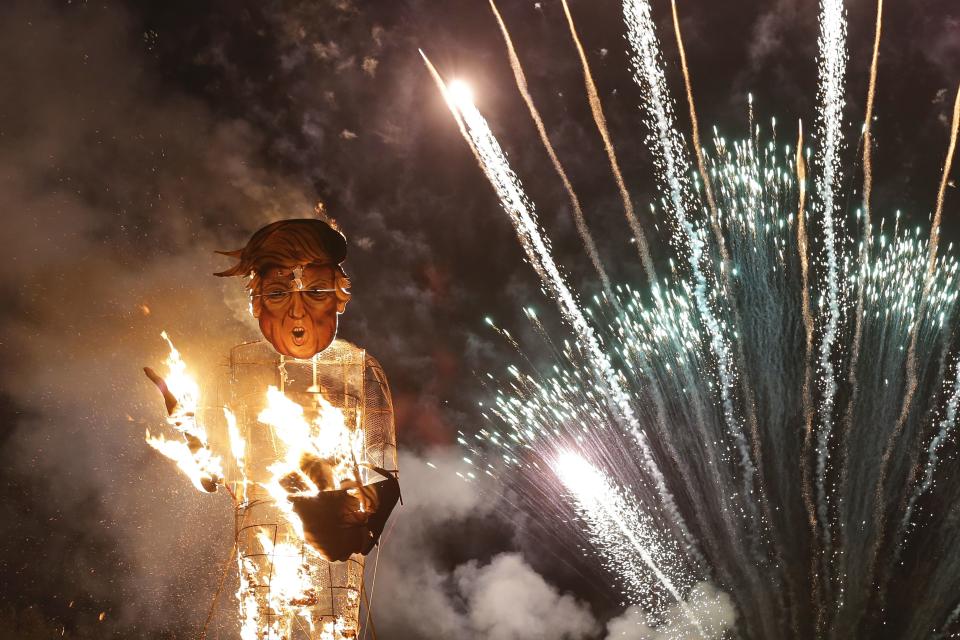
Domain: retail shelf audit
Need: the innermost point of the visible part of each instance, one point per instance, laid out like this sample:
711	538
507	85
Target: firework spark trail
647	370
521	81
605	508
725	269
905	295
944	180
867	218
648	73
946	427
807	389
832	69
650	77
521	212
597	110
445	92
868	120
695	139
665	350
912	363
802	250
864	261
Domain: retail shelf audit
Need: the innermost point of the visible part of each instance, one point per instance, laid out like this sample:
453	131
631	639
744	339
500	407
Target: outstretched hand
169	399
182	419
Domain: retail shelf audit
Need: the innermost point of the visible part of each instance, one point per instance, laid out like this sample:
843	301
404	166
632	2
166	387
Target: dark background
138	137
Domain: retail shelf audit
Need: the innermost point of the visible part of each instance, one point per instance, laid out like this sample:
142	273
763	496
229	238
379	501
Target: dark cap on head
287	243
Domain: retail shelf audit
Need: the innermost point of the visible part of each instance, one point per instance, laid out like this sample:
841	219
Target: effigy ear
342	286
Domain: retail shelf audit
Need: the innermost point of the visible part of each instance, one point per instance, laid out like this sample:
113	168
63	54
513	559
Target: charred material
346	521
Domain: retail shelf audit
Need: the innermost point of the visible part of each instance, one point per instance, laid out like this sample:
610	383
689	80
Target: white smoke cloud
508	600
712	608
503	599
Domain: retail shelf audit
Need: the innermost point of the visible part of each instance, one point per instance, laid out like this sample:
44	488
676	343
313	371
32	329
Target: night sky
138	138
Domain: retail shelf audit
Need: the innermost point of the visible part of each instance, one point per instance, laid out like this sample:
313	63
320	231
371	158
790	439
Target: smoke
508	600
118	186
713	608
132	144
115	191
772	29
502	598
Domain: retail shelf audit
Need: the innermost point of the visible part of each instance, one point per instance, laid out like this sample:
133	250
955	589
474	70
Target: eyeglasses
281	297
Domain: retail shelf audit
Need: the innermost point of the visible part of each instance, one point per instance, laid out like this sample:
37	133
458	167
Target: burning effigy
312	466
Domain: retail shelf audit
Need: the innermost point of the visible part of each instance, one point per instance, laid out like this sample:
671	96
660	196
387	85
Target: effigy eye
276	297
318	295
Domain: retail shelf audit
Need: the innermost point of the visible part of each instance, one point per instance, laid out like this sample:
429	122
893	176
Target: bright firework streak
614	520
674	167
833	58
904	302
521	211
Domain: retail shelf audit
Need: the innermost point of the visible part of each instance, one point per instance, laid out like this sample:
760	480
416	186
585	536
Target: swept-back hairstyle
288	243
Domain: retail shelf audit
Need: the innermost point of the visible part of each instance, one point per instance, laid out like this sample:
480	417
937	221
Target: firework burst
773	415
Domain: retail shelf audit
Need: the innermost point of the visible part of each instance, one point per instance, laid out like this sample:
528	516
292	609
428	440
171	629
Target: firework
756	419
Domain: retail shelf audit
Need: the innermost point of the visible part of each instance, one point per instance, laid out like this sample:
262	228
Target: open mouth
298	335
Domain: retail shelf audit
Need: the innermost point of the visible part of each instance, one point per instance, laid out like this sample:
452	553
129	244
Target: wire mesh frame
347	377
350	571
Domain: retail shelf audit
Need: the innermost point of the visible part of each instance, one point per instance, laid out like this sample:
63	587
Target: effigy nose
296	305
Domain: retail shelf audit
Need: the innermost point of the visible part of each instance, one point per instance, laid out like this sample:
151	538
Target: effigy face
297	286
297	309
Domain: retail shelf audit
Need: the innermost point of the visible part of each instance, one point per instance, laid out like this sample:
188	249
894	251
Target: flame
180	382
238	447
326	440
286	588
318	449
278	576
191	454
201	466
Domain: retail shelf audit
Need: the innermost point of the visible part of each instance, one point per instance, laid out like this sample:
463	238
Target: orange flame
327	439
191	454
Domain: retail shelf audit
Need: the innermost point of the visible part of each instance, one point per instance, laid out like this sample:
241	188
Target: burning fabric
320	479
359	515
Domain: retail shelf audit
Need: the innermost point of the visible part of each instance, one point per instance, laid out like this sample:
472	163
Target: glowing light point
460	93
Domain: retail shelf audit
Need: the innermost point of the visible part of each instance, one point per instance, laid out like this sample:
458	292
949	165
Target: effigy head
297	286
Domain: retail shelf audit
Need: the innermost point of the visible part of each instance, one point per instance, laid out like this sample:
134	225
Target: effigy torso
288	590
